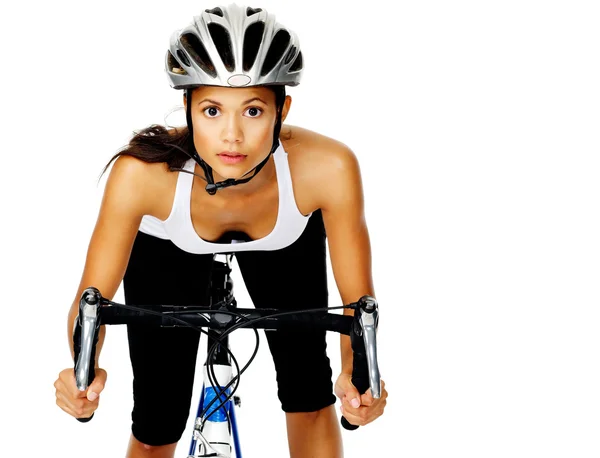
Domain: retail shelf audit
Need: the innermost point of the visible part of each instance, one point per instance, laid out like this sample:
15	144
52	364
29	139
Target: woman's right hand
79	404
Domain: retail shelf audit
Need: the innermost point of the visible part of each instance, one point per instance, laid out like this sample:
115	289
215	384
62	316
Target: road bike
215	426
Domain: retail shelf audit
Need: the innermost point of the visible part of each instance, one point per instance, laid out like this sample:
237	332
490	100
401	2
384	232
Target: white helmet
233	46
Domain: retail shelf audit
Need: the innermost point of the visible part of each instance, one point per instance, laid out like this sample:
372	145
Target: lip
231	157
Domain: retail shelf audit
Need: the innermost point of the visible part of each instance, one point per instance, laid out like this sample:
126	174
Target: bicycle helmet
233	46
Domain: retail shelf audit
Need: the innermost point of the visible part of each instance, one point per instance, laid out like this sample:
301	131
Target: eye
255	112
211	112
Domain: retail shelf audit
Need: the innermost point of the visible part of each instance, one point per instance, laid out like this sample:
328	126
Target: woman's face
233	127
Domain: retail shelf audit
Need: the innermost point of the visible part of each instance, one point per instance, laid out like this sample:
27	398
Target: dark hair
156	143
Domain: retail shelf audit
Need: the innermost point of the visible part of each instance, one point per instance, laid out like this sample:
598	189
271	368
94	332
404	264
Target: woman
244	183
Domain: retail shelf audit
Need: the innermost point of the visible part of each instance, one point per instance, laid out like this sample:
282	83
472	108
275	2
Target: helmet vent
289	55
278	46
251	11
194	47
297	65
218	11
183	58
174	65
222	42
252	40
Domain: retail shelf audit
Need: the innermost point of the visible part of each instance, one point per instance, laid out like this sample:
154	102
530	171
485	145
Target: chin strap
211	186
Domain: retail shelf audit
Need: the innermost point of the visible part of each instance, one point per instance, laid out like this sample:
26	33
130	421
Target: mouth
231	154
231	157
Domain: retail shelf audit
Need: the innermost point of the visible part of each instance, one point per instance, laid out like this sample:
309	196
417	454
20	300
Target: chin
231	170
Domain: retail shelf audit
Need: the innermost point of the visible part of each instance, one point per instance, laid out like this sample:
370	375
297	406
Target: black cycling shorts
164	359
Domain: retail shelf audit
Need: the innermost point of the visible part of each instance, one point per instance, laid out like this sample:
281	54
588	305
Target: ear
286	107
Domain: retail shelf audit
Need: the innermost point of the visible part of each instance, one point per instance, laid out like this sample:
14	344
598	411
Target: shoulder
304	145
322	166
136	172
138	182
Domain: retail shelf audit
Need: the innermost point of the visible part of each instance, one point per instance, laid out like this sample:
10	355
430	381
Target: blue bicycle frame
230	407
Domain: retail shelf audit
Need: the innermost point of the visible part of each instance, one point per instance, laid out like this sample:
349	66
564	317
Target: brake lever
363	337
369	319
85	338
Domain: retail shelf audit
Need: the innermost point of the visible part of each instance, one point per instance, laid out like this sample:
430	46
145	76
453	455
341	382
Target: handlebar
94	311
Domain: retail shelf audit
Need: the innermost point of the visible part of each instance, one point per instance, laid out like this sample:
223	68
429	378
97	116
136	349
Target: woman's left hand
359	409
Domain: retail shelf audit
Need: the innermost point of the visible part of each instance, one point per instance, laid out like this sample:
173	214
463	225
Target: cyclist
246	183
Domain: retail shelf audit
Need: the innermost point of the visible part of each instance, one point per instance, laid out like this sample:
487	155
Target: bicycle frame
215	428
230	407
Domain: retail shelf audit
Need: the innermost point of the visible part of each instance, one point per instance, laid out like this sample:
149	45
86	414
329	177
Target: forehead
234	94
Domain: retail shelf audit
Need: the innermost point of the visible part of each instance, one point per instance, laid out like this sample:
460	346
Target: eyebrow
243	103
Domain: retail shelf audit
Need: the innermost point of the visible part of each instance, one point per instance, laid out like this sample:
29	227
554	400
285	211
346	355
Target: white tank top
179	229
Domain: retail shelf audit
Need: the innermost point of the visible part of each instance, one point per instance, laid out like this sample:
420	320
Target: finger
68	388
93	392
65	408
348	407
97	385
367	399
79	408
384	394
352	418
351	393
100	377
352	397
64	400
374	411
382	386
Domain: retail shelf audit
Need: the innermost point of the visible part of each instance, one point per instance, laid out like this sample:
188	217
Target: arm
110	246
342	207
350	251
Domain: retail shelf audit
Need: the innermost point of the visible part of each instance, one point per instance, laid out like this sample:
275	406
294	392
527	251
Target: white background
476	127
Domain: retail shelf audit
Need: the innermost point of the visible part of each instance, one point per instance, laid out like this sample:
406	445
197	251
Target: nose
232	131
